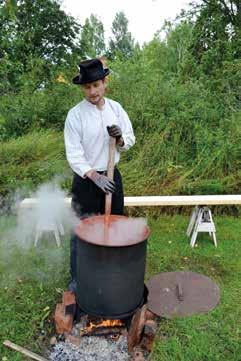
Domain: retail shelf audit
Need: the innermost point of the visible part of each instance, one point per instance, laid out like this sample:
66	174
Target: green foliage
26	36
182	94
186	116
122	43
42	108
31	160
31	36
216	34
176	47
92	40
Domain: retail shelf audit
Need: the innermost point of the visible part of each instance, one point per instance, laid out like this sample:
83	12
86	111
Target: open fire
103	324
130	338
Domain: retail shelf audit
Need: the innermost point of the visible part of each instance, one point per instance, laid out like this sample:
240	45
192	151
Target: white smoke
48	211
18	256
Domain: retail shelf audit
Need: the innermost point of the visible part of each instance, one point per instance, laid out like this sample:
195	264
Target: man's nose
92	91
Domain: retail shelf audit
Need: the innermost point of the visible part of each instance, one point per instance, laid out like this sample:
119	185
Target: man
88	127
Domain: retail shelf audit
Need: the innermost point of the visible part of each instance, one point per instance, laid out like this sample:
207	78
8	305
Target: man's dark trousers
89	200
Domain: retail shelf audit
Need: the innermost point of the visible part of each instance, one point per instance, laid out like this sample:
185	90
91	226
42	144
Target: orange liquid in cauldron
113	230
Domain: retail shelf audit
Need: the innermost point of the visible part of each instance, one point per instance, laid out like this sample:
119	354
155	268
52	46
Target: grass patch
31	160
39	156
32	280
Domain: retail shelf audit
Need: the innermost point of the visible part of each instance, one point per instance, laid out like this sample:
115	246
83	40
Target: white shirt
86	137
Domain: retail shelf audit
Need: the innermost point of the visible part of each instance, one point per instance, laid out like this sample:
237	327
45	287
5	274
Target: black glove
103	182
114	131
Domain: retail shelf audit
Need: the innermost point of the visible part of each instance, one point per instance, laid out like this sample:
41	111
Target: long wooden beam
148	201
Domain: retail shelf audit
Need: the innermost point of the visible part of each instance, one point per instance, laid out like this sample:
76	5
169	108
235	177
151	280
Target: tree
122	42
92	41
36	29
216	34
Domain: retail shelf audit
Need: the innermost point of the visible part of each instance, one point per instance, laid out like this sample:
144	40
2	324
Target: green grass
32	280
148	168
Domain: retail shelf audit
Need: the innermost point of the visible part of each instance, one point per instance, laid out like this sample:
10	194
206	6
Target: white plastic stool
201	221
43	226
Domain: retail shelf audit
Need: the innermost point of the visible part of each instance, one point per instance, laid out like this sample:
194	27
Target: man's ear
105	82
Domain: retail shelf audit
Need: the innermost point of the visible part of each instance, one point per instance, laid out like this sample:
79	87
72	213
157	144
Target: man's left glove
104	183
114	131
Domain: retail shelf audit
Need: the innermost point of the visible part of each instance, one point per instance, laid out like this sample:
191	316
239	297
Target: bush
42	108
31	160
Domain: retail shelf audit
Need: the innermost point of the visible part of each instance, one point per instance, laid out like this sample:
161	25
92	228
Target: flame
104	323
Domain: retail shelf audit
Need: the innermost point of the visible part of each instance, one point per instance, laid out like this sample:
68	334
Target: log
24	351
136	328
103	331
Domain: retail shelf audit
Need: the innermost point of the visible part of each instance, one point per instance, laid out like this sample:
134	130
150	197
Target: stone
63	323
75	331
82	324
75	340
150	328
53	341
147	343
69	303
137	356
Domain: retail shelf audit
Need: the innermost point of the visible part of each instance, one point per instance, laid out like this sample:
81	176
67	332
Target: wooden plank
148	201
24	351
183	200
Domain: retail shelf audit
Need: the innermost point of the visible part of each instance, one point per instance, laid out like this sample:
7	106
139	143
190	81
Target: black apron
88	199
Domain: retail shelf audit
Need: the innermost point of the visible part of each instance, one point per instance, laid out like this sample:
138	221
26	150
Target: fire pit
111	295
111	255
93	338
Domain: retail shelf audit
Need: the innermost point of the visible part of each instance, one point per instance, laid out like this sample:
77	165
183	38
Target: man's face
95	91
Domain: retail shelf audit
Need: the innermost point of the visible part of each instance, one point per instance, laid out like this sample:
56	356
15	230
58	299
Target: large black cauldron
110	268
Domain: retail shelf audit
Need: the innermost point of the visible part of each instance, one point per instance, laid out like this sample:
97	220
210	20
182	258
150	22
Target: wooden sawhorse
201	221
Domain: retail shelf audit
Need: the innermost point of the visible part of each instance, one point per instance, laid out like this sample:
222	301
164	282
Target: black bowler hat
89	71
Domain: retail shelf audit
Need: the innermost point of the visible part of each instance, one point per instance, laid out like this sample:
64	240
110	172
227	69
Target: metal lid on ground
113	230
174	294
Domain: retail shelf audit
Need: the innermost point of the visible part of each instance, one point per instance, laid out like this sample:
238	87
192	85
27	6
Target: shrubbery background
181	91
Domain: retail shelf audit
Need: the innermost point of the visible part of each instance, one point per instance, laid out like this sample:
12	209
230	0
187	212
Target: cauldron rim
103	242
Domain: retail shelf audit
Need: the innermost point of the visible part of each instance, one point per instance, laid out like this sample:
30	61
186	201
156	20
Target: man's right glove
103	182
114	131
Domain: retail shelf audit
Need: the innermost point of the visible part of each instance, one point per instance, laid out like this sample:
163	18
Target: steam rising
49	209
113	230
18	256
